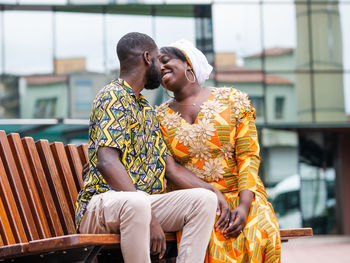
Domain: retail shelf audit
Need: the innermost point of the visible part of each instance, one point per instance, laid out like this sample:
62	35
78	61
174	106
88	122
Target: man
128	160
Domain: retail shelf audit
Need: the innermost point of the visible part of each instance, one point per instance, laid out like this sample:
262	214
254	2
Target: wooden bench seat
39	183
287	234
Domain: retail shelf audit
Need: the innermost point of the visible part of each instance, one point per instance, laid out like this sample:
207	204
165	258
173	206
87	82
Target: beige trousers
129	213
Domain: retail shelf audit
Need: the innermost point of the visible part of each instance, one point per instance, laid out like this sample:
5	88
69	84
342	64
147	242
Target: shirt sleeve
247	150
112	122
165	137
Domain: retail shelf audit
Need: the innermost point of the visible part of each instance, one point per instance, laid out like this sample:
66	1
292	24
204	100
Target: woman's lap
259	241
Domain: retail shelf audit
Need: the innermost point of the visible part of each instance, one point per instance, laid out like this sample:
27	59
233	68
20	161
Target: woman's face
173	71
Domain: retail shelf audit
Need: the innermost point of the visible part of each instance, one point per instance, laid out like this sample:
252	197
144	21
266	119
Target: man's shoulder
113	90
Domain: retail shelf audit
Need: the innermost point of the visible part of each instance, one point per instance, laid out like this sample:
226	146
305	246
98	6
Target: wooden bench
39	183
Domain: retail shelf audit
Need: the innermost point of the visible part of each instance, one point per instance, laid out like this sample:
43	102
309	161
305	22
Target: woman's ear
147	58
188	67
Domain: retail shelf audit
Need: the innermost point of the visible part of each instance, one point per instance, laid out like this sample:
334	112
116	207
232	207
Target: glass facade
300	48
292	58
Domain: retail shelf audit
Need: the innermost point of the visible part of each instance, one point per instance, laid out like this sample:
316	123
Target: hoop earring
166	92
194	77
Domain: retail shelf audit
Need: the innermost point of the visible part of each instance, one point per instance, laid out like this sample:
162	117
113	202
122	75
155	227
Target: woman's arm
248	160
181	177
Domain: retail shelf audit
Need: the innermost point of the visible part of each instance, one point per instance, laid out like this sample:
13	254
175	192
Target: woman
212	132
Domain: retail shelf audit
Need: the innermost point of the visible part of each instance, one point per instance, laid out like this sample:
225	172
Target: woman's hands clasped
237	222
231	223
223	211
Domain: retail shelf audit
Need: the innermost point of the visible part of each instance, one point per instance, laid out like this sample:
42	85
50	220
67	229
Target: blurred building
9	97
83	87
44	96
60	96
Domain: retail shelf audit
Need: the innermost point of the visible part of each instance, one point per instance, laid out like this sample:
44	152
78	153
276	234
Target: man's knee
204	198
137	208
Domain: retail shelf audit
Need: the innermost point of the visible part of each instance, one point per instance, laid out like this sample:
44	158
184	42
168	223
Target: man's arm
112	170
183	178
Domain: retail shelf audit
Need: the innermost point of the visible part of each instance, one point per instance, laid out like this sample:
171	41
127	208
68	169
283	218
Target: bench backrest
39	183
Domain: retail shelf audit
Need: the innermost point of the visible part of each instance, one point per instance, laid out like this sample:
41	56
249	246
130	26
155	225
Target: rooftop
46	79
242	75
275	51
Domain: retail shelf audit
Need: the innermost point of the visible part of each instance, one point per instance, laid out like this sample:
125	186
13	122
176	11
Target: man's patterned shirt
122	121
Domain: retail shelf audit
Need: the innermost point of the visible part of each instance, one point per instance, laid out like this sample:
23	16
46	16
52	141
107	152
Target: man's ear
147	58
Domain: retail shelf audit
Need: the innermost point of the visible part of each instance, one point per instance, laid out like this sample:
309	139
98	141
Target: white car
295	202
285	198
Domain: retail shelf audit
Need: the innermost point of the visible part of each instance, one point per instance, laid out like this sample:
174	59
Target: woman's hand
238	221
223	211
239	215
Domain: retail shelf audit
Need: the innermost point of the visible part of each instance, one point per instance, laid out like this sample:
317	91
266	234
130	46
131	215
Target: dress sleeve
112	123
247	150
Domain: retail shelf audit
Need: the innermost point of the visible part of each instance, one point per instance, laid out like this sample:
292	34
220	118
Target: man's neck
135	81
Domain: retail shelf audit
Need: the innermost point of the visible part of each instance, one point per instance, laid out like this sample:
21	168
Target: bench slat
42	187
17	188
65	174
56	187
6	235
10	207
30	188
83	153
75	164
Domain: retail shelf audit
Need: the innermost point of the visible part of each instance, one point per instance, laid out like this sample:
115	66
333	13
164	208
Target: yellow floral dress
221	147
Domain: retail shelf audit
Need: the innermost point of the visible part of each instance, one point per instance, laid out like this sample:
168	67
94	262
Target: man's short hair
133	44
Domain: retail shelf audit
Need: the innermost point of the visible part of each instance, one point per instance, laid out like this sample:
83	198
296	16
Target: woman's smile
166	75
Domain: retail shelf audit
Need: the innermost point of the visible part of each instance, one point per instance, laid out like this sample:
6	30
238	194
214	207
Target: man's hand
223	211
158	242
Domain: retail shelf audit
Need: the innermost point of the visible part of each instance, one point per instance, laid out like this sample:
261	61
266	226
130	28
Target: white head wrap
196	58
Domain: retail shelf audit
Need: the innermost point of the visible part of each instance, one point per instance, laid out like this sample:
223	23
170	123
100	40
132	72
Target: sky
237	28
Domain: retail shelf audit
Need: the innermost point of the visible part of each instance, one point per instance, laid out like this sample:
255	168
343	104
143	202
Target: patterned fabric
221	147
122	121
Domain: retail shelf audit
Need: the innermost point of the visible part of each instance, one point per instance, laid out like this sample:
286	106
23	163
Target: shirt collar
128	88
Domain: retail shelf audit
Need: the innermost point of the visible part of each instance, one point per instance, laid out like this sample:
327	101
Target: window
279	107
83	94
258	104
45	108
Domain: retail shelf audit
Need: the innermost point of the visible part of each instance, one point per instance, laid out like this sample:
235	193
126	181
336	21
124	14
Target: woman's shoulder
221	92
162	109
239	100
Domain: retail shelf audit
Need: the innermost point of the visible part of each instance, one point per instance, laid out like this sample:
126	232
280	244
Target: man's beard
153	76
